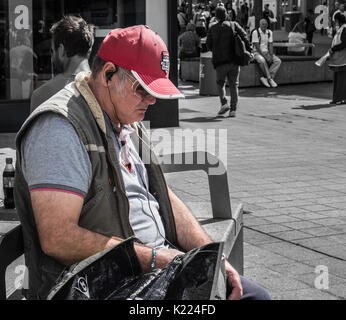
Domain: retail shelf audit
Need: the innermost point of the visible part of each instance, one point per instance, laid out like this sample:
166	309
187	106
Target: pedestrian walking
220	40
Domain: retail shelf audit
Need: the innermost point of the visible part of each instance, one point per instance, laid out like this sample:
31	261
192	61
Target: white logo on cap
165	61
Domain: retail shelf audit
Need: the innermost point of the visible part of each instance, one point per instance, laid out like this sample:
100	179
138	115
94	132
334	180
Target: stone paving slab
306	294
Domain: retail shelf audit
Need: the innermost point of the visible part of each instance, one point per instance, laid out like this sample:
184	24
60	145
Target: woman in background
337	61
297	36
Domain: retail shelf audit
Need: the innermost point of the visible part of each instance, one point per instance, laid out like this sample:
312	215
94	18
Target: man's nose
150	100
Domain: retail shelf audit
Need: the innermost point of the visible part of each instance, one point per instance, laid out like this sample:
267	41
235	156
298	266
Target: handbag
242	56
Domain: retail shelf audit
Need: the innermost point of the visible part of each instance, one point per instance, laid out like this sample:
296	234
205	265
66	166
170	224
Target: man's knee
252	291
277	60
259	59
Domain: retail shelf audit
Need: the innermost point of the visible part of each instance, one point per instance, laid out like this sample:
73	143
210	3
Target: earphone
109	74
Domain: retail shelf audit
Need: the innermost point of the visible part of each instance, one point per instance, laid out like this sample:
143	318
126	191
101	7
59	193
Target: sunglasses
137	88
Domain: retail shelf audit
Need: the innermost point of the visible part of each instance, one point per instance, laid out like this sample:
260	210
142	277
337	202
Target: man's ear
61	51
109	70
109	75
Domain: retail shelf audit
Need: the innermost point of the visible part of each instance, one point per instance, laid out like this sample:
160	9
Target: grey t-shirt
54	158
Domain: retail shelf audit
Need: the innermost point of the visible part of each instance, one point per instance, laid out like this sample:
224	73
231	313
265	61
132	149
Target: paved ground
286	156
286	164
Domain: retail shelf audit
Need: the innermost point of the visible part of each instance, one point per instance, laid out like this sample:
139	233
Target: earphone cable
145	185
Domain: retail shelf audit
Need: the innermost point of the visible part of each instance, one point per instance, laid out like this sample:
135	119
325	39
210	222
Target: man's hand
234	281
165	256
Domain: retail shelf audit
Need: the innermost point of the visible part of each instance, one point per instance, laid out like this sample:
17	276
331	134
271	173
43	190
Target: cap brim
160	88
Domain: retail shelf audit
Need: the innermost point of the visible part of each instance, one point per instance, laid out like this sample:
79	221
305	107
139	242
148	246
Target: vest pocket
92	201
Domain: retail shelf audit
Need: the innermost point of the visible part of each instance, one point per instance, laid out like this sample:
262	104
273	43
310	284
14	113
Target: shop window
25	42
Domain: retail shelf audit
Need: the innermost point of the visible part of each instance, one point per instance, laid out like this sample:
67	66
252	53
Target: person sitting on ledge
269	63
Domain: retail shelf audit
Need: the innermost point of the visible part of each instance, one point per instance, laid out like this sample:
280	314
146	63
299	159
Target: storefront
25	58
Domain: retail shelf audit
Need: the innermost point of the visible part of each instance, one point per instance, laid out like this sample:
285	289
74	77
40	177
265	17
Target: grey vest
106	207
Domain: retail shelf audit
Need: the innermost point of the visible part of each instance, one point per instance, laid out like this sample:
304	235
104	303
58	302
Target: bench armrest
11	248
191	161
232	235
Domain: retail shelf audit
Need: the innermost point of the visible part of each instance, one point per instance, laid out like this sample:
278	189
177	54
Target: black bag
115	274
242	56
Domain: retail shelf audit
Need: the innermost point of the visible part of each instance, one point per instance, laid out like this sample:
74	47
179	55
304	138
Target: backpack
242	56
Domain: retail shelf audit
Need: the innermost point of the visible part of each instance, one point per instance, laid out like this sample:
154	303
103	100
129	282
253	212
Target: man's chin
139	117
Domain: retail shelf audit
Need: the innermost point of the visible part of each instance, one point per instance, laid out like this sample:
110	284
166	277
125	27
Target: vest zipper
122	192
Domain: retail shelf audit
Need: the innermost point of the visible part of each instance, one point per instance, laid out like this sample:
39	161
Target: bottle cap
9	160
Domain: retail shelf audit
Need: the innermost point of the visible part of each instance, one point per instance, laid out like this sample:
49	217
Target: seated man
189	43
81	184
269	63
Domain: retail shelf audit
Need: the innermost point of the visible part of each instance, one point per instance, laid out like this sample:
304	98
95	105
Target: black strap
259	36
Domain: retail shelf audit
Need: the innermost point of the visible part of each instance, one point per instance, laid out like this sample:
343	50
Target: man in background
72	41
268	15
220	40
269	63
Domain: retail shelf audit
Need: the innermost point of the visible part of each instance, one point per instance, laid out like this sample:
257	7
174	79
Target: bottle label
8	182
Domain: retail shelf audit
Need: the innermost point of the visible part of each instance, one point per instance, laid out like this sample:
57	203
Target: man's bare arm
191	235
57	214
189	232
271	48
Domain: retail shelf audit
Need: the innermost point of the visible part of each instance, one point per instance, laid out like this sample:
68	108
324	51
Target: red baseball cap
142	51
